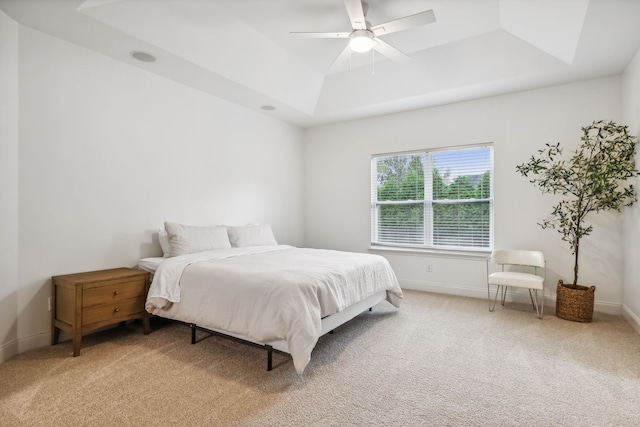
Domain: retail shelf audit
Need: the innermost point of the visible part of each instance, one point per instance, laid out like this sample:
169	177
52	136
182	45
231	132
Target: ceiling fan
364	37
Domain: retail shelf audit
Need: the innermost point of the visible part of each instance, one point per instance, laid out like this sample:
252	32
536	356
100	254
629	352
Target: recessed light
143	56
268	107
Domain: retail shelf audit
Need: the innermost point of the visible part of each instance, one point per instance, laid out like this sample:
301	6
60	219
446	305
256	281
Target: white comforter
268	293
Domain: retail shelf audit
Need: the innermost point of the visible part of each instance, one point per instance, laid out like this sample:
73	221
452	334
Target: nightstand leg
56	336
77	341
146	324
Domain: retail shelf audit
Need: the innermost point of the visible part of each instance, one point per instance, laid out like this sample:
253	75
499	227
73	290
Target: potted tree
594	179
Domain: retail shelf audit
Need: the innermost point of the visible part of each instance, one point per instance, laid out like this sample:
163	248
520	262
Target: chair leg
504	294
534	304
538	307
495	298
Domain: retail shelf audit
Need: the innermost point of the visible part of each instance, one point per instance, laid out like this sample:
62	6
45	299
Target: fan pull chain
350	55
373	62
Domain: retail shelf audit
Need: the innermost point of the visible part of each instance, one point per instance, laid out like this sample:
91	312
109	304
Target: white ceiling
242	50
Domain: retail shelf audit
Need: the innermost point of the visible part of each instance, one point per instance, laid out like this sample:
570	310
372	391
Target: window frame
428	205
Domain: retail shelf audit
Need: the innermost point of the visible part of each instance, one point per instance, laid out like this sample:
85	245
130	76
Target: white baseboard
8	350
514	295
34	341
614	308
632	318
443	289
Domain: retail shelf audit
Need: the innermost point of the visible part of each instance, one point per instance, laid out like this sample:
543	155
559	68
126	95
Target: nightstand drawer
111	313
115	292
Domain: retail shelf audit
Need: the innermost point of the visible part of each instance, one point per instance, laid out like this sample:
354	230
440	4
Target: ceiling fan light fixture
361	41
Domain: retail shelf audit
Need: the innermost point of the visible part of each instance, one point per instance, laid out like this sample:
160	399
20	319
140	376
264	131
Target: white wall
337	207
631	107
8	187
108	152
96	154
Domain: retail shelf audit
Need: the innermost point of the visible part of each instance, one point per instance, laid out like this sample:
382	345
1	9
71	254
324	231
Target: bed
250	288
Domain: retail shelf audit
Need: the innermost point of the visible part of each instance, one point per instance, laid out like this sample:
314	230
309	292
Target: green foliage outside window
402	179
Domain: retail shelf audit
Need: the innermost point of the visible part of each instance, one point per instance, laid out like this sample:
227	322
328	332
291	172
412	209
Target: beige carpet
438	360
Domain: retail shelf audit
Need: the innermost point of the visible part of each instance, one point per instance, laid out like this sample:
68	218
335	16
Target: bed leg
193	332
331	331
370	308
269	358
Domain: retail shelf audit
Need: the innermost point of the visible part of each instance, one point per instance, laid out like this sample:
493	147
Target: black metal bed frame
267	347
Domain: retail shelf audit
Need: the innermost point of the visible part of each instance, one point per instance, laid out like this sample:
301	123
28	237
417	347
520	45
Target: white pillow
251	235
187	239
163	238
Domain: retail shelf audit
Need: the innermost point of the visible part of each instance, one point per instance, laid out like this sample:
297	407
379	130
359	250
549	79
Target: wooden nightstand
84	302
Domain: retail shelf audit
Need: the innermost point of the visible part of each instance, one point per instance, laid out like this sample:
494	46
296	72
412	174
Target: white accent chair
533	260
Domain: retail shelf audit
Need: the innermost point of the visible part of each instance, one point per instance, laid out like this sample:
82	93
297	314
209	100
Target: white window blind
433	199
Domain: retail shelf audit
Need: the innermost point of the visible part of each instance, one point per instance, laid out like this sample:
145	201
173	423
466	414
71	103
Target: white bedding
151	264
268	293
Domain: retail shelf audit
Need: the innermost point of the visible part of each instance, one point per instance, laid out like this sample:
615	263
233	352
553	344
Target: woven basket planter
575	305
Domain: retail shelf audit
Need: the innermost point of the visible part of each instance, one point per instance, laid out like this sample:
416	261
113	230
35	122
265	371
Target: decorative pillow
187	239
163	237
251	235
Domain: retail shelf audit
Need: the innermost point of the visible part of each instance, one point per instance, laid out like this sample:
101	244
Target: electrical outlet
429	270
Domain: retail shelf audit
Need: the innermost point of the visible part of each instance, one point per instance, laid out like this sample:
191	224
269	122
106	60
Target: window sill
444	253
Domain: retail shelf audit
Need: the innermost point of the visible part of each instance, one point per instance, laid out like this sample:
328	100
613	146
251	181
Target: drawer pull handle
116	293
116	310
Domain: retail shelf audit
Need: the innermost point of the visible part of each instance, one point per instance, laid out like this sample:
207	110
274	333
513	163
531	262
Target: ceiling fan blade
389	51
356	14
341	59
322	35
422	18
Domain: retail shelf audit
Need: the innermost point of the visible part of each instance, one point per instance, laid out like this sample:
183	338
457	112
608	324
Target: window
438	199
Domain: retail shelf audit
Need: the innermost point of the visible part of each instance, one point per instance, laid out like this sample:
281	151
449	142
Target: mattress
269	293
